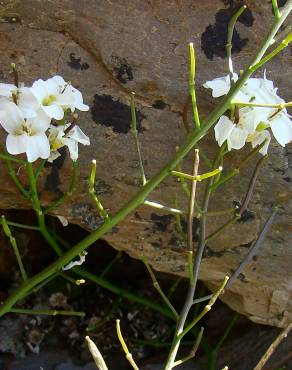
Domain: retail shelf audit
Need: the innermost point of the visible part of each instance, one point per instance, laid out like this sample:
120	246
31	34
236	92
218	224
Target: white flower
55	95
221	85
253	121
26	101
25	135
59	138
76	263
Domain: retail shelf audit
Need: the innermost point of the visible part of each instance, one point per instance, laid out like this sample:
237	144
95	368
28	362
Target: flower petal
223	129
16	144
7	89
281	126
78	135
219	86
11	117
78	102
54	111
27	102
261	137
73	148
39	90
40	123
37	147
237	138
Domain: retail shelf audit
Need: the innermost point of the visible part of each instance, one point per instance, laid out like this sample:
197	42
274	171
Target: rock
108	49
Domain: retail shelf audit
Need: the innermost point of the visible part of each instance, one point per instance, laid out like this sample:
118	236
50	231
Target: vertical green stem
196	117
13	243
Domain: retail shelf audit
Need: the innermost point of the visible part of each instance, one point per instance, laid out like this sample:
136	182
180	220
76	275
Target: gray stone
109	48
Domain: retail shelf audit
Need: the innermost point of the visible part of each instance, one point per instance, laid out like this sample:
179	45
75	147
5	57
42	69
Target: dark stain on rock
196	225
12	19
287	179
161	222
159	104
53	179
246	216
87	215
176	243
114	114
122	70
75	63
208	252
155	244
101	187
214	38
138	217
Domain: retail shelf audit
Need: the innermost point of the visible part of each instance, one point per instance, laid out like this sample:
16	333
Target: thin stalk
196	117
122	292
40	168
236	170
14	178
230	31
99	206
190	245
129	356
206	309
253	248
22	226
10	158
135	134
245	202
202	299
198	177
158	288
284	333
276	106
39	212
163	208
110	265
67	194
46	312
192	286
13	243
273	53
191	140
193	351
276	9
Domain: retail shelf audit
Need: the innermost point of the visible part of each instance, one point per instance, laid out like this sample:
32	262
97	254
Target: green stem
158	288
276	9
46	312
122	292
13	243
230	31
273	53
39	212
40	168
22	226
14	178
196	117
99	206
191	140
10	158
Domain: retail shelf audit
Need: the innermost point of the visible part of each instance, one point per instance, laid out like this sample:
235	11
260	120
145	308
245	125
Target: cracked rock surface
109	48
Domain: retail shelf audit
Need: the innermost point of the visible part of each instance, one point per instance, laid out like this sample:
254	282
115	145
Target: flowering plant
39	119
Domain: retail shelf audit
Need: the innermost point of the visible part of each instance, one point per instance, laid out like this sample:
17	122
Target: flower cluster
256	109
36	118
